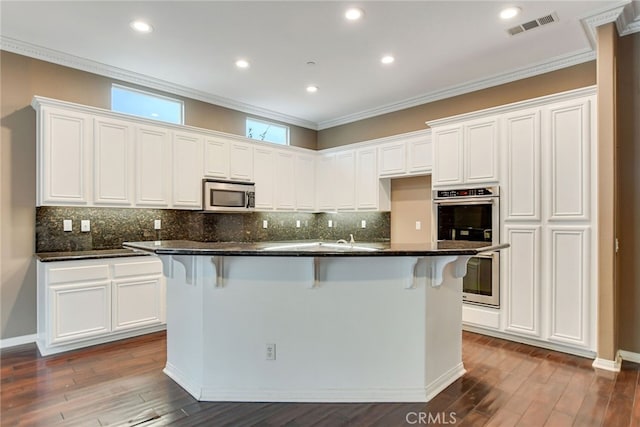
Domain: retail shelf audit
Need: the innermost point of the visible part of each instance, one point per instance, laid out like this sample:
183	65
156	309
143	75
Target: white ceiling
441	48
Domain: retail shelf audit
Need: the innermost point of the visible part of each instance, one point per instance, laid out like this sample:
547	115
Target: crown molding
629	20
602	17
495	80
76	62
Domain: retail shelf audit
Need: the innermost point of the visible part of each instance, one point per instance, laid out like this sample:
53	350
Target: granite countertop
94	254
312	248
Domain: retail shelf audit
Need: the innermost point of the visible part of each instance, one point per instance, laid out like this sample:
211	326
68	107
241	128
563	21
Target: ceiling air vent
548	19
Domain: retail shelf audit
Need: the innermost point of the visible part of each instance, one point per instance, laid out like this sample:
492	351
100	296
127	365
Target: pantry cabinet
87	302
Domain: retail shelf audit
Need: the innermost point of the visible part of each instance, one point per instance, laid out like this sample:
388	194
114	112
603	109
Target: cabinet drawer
78	274
140	268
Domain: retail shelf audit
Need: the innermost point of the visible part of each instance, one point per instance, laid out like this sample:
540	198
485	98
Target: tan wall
411	202
607	336
21	79
414	118
628	182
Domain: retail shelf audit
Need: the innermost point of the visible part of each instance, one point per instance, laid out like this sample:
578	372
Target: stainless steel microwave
228	196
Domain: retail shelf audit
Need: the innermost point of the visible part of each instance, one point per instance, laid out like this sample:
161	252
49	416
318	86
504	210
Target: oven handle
478	201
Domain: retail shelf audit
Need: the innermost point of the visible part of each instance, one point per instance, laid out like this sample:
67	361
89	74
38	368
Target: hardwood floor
122	384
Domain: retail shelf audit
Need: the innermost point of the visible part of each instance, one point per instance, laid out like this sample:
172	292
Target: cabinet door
64	158
392	159
447	151
568	128
481	151
79	311
305	177
113	162
240	161
521	283
420	156
187	170
153	166
137	302
569	293
367	181
264	176
522	185
285	185
345	176
216	158
325	184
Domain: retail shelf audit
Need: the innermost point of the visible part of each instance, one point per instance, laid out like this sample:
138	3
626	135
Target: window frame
150	94
280	125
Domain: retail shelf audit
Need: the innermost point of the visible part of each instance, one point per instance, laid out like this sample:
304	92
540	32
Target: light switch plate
363	223
85	225
265	223
418	225
67	225
297	223
330	223
157	224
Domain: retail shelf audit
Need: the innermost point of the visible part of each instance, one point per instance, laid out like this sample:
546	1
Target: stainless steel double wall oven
473	214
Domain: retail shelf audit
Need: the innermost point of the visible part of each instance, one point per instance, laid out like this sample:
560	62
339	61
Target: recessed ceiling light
353	14
509	12
387	59
242	63
312	88
141	26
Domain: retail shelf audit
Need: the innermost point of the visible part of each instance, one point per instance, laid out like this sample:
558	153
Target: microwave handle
250	196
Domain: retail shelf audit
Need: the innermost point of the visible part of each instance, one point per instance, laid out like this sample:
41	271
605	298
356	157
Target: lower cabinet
87	302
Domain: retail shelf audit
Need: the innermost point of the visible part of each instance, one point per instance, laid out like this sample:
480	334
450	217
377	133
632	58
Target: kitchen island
313	321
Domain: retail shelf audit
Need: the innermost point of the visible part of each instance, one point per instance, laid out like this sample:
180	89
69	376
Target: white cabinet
466	153
187	171
240	161
86	302
65	140
113	153
264	176
285	181
372	193
305	179
153	166
216	157
325	182
392	159
419	156
345	179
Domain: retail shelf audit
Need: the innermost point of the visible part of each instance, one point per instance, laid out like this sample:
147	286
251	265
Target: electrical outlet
363	223
157	224
85	225
265	223
297	223
330	223
67	225
418	225
271	351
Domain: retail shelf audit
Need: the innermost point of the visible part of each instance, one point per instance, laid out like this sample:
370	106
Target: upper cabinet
466	153
305	181
240	161
153	166
264	175
187	170
216	157
113	154
65	144
406	155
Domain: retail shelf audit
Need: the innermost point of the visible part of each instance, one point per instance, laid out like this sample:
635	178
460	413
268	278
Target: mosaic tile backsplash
112	226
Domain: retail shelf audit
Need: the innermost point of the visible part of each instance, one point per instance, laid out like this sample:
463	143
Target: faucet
351	240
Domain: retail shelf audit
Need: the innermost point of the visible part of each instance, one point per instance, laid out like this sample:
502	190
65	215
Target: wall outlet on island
271	351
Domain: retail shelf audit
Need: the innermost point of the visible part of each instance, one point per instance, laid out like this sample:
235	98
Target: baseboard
608	365
444	381
16	341
630	356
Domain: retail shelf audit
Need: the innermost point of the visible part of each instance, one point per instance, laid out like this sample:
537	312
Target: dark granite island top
313	248
91	254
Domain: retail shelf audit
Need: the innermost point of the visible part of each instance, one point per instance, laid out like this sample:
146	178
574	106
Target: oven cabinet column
549	219
329	329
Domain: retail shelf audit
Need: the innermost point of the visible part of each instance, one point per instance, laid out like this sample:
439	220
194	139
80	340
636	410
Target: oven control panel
467	192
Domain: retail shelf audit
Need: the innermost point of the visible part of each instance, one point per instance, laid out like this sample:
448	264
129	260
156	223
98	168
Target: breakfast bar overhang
288	322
